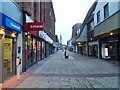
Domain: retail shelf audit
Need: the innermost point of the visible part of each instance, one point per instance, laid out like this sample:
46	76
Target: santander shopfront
10	29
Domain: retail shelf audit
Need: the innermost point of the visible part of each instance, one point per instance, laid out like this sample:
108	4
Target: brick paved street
85	72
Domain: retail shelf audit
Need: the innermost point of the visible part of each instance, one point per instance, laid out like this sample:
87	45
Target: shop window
113	51
29	50
34	50
38	50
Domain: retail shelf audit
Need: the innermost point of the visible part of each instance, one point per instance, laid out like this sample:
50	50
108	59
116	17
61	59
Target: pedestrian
18	63
66	54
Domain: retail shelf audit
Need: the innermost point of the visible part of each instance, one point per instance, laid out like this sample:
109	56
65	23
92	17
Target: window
98	17
50	30
91	25
35	11
51	15
106	11
77	32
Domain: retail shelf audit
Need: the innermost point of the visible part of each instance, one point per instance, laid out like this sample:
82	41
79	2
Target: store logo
17	27
35	26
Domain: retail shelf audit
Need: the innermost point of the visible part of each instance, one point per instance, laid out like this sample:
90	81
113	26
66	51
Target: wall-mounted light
26	33
13	34
2	31
111	33
79	43
29	33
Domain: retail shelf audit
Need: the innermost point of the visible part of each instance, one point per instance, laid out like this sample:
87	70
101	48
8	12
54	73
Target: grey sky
68	13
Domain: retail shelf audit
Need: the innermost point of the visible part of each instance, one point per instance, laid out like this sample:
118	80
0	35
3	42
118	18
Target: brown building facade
38	45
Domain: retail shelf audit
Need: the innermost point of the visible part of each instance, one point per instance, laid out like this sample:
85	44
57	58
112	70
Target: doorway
9	58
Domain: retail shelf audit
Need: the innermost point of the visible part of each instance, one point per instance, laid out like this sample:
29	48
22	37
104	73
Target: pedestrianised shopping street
58	72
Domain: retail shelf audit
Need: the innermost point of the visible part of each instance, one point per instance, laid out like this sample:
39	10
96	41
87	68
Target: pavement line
77	75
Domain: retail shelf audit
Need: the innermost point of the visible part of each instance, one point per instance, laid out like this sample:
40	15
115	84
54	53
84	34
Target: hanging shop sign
35	26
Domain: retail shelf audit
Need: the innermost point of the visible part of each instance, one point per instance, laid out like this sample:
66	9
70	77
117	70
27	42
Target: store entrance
9	58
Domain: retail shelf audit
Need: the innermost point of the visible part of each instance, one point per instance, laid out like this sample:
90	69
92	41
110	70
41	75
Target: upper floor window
50	30
77	32
51	15
98	17
106	11
91	25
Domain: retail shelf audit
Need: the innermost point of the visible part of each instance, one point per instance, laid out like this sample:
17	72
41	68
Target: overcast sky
68	13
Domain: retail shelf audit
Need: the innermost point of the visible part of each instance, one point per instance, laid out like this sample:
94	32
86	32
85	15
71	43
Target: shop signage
93	43
44	36
35	26
13	25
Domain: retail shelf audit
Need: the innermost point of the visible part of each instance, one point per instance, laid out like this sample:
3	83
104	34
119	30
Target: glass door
9	59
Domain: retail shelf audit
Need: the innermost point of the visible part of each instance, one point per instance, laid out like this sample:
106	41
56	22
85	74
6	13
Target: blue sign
13	25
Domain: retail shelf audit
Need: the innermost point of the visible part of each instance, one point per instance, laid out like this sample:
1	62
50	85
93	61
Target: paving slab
75	72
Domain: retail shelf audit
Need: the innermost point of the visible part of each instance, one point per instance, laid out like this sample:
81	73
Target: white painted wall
113	7
19	40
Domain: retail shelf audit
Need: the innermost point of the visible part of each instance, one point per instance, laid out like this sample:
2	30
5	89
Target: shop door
113	51
9	58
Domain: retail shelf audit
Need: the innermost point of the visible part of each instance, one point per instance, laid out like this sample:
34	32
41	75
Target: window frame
98	16
106	11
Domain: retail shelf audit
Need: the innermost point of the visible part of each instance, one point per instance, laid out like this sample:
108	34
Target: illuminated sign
35	26
13	25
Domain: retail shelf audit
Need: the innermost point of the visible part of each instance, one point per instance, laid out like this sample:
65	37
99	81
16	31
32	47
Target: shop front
47	44
9	31
110	48
33	49
93	48
33	44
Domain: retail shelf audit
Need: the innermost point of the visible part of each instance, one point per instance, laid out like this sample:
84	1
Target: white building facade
107	29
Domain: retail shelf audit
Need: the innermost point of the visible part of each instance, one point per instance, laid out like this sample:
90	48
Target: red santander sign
35	26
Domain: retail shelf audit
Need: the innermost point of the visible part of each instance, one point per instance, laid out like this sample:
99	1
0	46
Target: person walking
18	63
66	54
